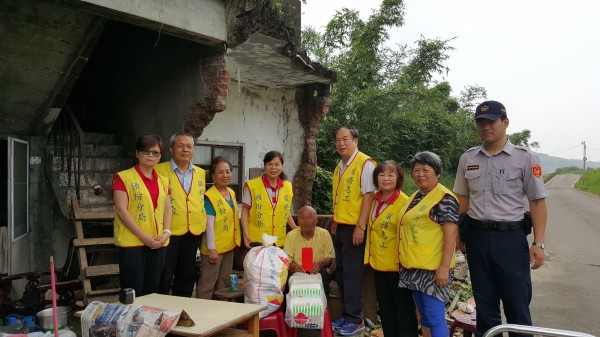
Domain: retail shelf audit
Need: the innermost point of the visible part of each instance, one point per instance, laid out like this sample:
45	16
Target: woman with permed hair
267	203
427	232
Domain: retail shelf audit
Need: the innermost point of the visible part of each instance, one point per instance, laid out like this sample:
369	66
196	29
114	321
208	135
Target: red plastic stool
327	330
274	321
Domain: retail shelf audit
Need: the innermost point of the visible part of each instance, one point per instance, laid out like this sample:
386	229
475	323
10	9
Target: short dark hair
389	165
352	129
272	155
175	135
427	158
216	161
148	141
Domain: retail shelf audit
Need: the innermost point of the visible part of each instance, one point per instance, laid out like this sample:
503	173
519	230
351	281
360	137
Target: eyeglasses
149	152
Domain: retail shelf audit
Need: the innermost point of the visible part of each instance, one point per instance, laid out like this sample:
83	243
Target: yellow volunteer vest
188	209
421	238
347	195
263	217
140	207
227	231
381	250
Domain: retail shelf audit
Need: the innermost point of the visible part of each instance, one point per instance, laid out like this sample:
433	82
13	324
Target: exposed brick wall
216	81
311	111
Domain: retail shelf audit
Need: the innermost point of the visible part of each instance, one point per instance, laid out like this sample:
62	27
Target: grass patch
589	182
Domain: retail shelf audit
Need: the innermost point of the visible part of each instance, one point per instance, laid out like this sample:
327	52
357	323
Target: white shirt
366	177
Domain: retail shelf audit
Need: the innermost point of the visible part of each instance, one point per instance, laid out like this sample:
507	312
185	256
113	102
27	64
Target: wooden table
224	294
210	317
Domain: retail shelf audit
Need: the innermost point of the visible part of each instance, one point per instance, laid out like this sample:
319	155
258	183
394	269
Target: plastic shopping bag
265	275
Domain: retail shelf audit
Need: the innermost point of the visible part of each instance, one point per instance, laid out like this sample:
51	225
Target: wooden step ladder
88	250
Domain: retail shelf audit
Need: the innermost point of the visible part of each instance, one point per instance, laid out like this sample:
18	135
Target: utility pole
584	160
584	155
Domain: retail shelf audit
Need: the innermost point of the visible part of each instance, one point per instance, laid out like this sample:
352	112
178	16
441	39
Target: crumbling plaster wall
261	120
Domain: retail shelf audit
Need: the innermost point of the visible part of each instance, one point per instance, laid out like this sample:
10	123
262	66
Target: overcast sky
541	59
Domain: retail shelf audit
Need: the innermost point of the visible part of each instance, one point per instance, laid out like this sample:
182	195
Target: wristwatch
538	244
363	227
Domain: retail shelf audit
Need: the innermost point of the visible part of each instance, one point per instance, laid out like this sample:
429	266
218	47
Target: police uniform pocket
507	181
473	179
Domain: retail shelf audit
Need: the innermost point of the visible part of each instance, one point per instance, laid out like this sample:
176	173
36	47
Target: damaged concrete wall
137	83
44	47
199	21
50	230
261	120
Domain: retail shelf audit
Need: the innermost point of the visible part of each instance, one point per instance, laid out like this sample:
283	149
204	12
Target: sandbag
265	275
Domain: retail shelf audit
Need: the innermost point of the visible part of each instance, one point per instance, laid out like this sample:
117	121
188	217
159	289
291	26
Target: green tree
390	94
321	198
522	138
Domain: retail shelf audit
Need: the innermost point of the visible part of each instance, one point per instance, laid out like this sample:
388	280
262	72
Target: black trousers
140	268
179	275
500	271
396	306
349	272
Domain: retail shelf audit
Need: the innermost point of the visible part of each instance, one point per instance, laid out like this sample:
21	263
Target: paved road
566	290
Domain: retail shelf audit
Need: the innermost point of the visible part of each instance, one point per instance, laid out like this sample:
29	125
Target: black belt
496	225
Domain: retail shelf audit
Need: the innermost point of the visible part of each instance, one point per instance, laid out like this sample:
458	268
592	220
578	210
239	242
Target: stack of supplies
306	301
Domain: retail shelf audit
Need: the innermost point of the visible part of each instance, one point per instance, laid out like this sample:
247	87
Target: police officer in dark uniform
491	182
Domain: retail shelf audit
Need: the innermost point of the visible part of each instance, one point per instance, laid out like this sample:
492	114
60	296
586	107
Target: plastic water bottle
13	321
28	325
61	333
13	324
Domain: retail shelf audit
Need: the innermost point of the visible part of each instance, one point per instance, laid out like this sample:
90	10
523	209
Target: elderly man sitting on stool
308	235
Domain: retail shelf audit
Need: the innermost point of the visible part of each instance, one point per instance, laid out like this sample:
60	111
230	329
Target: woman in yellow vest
222	231
142	227
267	203
396	305
427	233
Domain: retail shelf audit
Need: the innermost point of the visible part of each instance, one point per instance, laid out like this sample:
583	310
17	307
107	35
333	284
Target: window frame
213	147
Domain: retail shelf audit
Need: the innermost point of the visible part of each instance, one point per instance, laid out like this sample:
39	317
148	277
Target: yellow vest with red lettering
347	194
227	231
188	209
381	250
263	217
142	210
421	239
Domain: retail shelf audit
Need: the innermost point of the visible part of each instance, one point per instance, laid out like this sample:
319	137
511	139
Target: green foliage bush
567	170
589	182
321	192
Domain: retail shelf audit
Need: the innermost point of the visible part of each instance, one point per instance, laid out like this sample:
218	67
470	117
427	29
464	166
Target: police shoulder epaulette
523	148
526	149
